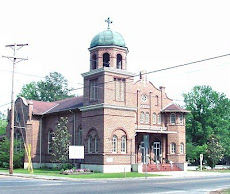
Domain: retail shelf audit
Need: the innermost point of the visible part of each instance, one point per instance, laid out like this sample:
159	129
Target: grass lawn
222	171
51	172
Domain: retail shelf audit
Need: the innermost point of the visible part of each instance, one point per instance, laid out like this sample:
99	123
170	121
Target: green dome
108	38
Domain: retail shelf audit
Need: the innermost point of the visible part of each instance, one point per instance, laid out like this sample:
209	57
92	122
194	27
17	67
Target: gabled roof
42	108
67	104
174	108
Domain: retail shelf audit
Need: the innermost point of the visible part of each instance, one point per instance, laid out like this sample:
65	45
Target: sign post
201	161
143	147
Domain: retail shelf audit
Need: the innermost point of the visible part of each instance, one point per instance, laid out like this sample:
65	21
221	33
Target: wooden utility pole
15	60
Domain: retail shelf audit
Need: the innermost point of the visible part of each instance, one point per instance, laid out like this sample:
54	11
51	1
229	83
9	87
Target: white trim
107	69
102	105
155	128
109	46
152	131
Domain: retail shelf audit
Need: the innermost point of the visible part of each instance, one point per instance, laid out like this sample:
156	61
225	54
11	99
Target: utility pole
15	60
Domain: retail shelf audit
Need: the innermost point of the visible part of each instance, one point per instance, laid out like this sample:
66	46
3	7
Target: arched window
18	140
157	101
159	118
94	62
96	144
173	118
172	148
182	148
18	117
114	144
80	136
154	118
106	60
90	144
119	61
123	144
50	141
181	119
142	117
147	118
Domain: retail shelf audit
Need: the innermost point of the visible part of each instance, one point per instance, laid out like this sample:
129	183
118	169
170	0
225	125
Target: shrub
5	155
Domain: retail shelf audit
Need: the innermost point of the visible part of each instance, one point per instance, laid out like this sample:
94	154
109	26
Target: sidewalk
178	174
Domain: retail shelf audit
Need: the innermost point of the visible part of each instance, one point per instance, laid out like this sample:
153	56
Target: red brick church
113	119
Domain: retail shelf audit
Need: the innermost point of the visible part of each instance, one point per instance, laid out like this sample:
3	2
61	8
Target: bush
5	155
65	166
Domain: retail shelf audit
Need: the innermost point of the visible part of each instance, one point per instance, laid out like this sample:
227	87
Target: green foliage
193	152
5	154
3	124
54	88
214	151
210	114
61	142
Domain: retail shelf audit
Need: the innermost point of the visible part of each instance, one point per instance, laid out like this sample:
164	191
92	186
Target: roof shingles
174	108
41	108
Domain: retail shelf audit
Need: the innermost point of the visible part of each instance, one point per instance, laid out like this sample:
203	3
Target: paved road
22	185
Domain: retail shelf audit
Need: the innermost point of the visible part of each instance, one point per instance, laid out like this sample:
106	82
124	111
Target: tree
214	152
210	114
3	124
61	142
54	88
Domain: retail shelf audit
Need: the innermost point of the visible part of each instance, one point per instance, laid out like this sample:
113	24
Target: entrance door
157	150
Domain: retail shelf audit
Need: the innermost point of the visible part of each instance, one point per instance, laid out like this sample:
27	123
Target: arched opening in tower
106	60
94	62
119	61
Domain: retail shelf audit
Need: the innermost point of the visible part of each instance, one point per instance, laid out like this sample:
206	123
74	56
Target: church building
117	120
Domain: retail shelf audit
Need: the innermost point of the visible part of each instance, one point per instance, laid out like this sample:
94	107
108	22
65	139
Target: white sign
76	152
201	156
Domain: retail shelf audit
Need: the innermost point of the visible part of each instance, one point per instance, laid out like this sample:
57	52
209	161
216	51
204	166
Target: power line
186	64
5	104
163	69
32	75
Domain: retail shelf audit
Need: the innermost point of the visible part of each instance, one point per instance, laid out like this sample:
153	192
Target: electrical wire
163	69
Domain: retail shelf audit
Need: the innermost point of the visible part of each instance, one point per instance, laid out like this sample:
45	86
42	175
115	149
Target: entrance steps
161	167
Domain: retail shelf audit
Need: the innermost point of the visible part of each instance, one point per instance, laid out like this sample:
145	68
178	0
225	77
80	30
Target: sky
158	34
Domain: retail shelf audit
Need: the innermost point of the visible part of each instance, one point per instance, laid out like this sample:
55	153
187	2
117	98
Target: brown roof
67	104
174	108
41	108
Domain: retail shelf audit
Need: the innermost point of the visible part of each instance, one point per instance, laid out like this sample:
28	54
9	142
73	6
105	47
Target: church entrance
155	146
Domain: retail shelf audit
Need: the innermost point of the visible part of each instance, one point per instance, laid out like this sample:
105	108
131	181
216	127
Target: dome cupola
108	49
108	38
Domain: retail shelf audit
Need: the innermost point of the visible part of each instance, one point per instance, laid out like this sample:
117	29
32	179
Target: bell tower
107	102
108	69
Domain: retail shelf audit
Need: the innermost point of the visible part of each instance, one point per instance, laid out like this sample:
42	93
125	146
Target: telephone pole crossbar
15	60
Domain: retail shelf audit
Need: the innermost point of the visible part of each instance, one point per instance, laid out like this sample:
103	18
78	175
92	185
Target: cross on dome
109	22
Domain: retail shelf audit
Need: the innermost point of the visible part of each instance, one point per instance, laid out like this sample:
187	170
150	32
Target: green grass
226	191
222	171
51	172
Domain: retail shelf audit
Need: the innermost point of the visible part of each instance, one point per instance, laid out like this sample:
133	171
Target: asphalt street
204	184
